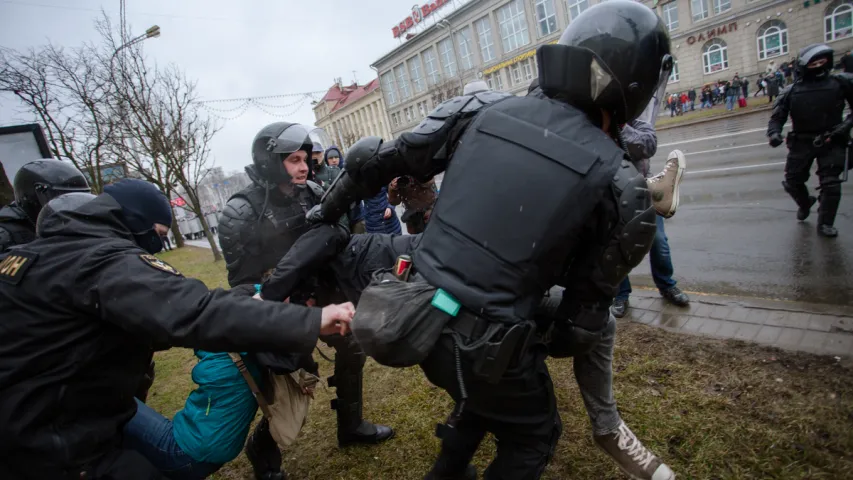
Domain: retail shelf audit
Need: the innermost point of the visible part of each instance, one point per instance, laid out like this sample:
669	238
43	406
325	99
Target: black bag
395	322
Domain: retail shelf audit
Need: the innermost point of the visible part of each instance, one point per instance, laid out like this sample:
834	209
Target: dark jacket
692	95
83	307
325	174
772	86
15	227
375	212
733	88
642	143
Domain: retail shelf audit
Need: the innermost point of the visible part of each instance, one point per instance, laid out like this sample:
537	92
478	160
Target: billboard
19	144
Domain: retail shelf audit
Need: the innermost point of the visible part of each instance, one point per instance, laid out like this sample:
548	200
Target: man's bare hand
336	319
387	213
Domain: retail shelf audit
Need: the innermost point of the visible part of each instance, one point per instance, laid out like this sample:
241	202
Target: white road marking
688	172
724	135
728	148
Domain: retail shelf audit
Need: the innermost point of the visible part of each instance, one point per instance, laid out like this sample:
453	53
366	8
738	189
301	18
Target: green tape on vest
445	302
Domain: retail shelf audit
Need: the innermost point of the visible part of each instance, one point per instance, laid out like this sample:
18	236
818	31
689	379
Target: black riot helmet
814	61
614	57
273	144
40	181
62	203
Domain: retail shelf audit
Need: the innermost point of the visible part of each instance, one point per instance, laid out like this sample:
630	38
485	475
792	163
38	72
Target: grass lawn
712	409
717	111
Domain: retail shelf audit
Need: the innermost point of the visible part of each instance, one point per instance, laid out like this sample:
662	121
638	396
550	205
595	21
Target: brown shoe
632	457
664	186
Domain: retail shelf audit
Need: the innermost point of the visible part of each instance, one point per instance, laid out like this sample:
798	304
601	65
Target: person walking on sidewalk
691	96
642	145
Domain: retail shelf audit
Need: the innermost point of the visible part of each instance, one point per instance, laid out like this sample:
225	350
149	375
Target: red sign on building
418	15
714	32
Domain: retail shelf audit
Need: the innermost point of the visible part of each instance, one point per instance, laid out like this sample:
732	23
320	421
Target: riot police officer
588	220
36	183
73	354
816	104
258	226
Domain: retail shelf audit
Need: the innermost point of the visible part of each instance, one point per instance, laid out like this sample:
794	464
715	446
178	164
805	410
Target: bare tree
68	91
445	91
135	103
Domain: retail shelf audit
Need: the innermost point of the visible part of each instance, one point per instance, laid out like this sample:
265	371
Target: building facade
348	113
496	40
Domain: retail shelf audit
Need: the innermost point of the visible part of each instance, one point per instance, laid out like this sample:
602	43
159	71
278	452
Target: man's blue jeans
730	103
150	434
661	263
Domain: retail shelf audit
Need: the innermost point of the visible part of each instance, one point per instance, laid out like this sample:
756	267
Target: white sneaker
664	186
632	457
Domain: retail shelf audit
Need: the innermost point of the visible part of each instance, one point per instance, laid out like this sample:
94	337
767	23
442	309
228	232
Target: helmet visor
293	138
650	114
319	136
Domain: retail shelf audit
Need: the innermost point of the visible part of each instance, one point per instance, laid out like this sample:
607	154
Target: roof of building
344	95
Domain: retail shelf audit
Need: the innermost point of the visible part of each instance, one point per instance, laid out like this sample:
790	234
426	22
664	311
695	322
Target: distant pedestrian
772	87
744	85
732	91
167	244
379	216
761	84
684	101
673	104
691	96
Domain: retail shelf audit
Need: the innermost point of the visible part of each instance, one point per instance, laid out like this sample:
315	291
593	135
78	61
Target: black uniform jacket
82	308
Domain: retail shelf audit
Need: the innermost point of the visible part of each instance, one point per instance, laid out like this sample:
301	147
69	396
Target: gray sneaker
632	457
664	185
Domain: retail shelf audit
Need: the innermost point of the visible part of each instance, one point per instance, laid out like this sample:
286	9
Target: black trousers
830	164
520	411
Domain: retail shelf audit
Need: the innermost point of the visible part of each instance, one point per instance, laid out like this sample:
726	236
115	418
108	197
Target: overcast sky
234	48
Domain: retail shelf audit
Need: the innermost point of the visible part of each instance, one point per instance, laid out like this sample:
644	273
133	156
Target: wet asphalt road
735	231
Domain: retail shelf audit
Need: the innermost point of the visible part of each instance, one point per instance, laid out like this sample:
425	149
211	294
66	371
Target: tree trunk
217	255
179	239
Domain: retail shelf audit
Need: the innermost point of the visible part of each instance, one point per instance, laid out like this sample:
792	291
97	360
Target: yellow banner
511	61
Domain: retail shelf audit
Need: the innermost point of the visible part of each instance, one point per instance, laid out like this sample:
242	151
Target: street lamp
152	32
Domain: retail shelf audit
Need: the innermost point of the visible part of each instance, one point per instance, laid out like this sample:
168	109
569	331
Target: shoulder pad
5	239
451	107
11	213
485	98
317	190
239	207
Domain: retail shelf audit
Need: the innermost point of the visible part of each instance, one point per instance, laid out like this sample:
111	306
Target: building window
721	6
466	50
484	35
495	81
529	69
700	9
575	8
772	40
395	119
673	75
409	116
431	66
417	76
838	22
422	106
402	81
388	89
515	75
513	26
546	17
448	58
670	15
715	56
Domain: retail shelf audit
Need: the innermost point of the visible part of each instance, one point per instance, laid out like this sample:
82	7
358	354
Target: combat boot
805	210
619	307
631	456
664	185
470	473
263	454
830	197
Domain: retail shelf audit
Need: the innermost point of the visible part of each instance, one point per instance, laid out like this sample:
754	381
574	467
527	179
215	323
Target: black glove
569	340
776	140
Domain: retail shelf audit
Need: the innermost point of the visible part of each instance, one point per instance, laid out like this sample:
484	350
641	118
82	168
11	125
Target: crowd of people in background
736	91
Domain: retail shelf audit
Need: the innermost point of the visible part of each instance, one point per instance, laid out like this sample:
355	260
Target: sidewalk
812	328
718	112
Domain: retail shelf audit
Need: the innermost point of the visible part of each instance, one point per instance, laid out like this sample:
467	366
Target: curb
715	117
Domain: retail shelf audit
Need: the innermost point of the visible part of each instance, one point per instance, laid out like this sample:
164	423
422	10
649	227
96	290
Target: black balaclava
142	205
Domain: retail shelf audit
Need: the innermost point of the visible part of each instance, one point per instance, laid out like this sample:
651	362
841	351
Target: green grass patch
711	409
